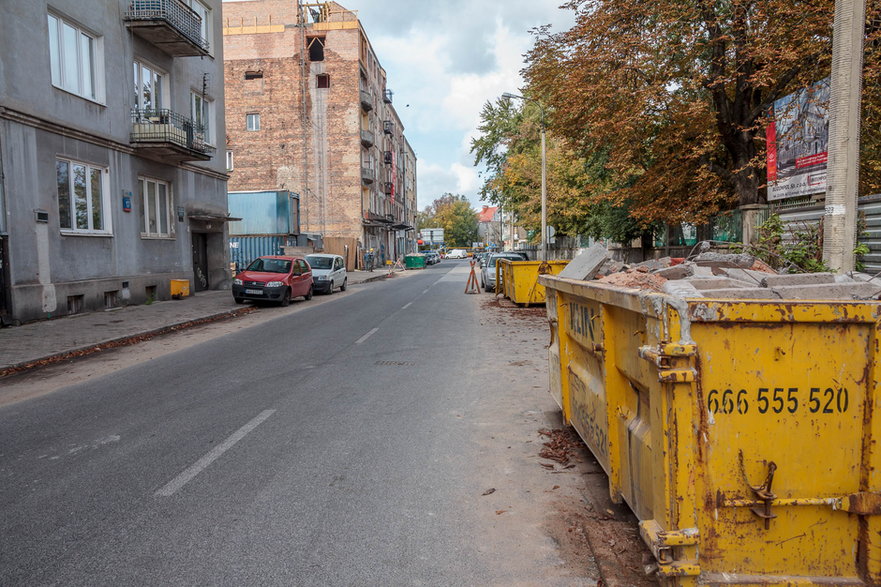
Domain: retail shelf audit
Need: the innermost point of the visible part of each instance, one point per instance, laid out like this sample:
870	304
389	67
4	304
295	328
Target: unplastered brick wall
285	151
259	12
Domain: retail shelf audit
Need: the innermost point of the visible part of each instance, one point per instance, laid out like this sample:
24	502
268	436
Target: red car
273	278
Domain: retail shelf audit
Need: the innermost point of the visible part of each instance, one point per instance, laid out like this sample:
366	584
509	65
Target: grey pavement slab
585	265
27	345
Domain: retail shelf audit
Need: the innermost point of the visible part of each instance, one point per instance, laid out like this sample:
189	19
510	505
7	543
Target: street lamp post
544	179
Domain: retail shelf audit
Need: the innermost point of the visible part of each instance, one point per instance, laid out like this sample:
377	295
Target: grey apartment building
111	121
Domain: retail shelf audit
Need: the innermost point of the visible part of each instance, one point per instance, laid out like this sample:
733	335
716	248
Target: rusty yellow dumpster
742	433
519	279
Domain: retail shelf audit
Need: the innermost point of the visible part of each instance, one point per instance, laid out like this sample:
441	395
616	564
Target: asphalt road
345	444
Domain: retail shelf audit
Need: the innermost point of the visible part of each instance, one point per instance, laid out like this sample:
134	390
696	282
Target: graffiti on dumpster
581	321
777	400
585	418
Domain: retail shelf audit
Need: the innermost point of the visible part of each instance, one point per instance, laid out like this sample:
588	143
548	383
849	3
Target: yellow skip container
742	433
519	279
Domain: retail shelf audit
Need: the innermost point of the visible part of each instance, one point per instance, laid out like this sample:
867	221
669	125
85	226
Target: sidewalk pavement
50	341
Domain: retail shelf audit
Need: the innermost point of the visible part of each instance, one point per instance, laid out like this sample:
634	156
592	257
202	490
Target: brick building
309	111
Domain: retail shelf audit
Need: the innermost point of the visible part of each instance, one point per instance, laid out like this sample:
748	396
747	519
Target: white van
457	254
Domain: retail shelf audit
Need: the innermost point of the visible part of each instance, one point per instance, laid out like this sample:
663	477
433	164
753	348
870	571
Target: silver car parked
328	272
488	267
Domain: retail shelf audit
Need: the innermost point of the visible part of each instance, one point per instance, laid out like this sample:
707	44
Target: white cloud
436	179
444	62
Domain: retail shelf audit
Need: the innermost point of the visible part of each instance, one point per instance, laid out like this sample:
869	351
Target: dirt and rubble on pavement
721	275
608	531
562	446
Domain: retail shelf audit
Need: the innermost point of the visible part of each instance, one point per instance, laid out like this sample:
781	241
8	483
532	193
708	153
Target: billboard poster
797	139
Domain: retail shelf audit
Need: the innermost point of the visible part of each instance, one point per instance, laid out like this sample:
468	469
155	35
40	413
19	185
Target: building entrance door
200	261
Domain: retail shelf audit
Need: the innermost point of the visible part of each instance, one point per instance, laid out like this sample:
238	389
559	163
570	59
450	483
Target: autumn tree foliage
454	214
509	146
673	95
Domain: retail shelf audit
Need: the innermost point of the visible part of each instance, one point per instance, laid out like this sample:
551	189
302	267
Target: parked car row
431	257
279	278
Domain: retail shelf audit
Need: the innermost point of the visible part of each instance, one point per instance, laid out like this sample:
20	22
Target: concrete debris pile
720	276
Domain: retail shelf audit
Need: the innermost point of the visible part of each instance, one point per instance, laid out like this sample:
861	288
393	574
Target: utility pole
839	225
544	191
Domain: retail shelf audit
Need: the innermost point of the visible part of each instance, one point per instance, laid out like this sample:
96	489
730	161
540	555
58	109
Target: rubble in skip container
720	276
586	265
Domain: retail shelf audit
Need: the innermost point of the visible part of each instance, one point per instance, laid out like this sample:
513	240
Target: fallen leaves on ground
562	446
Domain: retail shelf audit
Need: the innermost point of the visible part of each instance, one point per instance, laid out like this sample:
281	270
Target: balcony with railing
388	127
367	138
169	136
387	96
368	176
387	157
388	188
171	25
366	100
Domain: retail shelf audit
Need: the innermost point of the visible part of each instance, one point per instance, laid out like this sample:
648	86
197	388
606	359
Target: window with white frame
252	121
202	113
150	87
74	59
156	207
82	197
229	161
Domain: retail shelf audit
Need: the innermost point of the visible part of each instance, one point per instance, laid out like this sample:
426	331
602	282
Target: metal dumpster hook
762	492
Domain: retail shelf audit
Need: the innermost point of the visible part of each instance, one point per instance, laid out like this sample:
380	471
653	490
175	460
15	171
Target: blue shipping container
264	213
244	249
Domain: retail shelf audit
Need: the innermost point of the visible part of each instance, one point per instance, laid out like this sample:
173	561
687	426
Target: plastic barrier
742	433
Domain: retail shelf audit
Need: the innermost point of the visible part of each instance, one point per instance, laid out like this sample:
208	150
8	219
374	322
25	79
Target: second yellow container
519	279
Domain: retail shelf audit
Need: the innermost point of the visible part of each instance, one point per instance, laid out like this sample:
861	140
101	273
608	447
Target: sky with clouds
444	61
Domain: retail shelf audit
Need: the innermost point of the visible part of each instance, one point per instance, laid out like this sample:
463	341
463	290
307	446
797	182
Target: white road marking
407	305
366	336
425	291
190	472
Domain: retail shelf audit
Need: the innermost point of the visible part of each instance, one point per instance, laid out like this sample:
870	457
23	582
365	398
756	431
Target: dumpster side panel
787	398
554	375
505	278
634	385
584	373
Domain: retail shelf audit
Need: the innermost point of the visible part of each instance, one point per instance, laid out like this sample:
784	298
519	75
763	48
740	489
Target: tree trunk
745	177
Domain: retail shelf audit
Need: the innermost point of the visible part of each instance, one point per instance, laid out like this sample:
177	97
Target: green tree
454	214
509	145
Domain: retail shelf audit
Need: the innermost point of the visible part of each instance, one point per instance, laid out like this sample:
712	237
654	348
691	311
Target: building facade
110	123
309	111
489	227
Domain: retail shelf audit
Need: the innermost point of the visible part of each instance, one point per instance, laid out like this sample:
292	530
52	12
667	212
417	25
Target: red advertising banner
771	143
